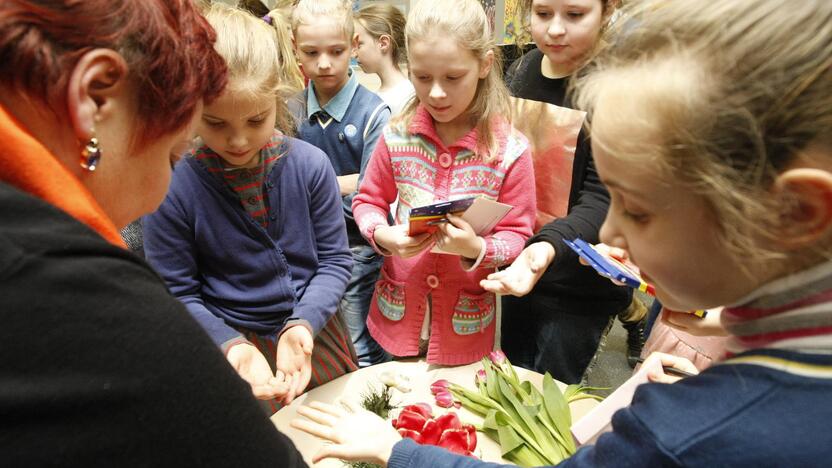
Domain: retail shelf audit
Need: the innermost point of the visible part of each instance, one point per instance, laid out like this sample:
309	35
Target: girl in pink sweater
453	142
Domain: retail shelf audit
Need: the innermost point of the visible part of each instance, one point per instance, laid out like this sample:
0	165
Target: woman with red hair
99	363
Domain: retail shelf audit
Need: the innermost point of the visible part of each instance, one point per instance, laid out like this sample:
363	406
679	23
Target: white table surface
351	386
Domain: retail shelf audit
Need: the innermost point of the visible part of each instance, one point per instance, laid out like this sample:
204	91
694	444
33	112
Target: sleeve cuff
294	323
224	347
470	265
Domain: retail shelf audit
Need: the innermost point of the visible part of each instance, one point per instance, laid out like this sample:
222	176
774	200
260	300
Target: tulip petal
454	440
431	433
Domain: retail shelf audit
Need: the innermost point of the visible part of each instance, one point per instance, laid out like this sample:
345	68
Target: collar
26	164
337	106
422	123
780	287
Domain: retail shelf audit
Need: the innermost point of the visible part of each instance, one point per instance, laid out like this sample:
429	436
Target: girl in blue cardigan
251	237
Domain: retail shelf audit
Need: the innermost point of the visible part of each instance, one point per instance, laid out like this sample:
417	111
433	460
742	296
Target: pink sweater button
445	160
432	281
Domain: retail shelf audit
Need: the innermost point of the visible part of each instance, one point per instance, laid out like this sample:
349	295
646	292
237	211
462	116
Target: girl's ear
95	85
807	215
384	43
486	63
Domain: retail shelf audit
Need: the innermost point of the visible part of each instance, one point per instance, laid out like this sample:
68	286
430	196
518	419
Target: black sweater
588	199
101	366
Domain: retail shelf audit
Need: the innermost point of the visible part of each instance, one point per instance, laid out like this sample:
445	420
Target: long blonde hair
292	76
250	48
721	96
463	21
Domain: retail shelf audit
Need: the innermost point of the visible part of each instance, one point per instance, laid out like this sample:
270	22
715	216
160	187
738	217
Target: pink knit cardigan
418	168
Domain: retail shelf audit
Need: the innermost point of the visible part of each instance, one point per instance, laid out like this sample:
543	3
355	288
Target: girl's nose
436	91
556	27
237	140
610	234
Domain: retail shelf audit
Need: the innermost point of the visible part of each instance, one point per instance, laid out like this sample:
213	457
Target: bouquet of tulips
532	427
418	423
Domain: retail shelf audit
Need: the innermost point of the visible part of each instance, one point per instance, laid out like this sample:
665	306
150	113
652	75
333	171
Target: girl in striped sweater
453	142
712	128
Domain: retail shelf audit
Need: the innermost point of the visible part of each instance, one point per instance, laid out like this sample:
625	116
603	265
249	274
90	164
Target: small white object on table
352	386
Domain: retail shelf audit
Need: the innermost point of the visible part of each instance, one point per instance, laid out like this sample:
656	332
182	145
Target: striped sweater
768	405
793	313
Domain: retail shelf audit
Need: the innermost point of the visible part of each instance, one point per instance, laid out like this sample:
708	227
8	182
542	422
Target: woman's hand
356	434
668	360
253	367
294	360
395	240
709	325
458	237
521	276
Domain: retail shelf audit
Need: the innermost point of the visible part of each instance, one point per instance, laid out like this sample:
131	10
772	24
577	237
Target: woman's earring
90	155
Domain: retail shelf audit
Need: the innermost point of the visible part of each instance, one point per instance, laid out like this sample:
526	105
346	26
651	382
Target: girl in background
251	237
712	128
379	28
453	141
555	312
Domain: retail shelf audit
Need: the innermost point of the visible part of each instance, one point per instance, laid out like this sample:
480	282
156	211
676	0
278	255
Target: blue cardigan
229	271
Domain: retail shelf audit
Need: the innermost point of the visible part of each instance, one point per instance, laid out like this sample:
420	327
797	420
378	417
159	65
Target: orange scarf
26	164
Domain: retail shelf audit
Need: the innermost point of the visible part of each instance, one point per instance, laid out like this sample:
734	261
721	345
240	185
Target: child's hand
458	237
395	240
253	367
356	434
669	360
709	325
294	360
521	276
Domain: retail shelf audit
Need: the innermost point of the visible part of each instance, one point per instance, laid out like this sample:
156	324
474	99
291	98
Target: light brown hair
721	97
463	21
382	19
250	48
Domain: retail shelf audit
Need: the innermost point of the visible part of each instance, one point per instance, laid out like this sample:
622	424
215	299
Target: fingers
291	392
661	377
313	428
677	362
668	360
320	413
494	286
458	222
340	452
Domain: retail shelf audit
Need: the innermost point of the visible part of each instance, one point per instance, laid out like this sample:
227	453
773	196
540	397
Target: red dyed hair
167	44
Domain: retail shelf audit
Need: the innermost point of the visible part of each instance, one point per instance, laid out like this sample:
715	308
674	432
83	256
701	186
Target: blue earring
90	155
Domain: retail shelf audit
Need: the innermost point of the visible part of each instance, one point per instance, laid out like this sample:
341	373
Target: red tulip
440	385
444	399
480	377
497	357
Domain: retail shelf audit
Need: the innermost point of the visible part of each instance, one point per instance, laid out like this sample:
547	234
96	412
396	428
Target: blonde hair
250	48
722	97
382	19
465	22
289	69
338	10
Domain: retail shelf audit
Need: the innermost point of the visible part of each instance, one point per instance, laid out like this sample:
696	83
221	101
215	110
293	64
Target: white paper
483	215
599	419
